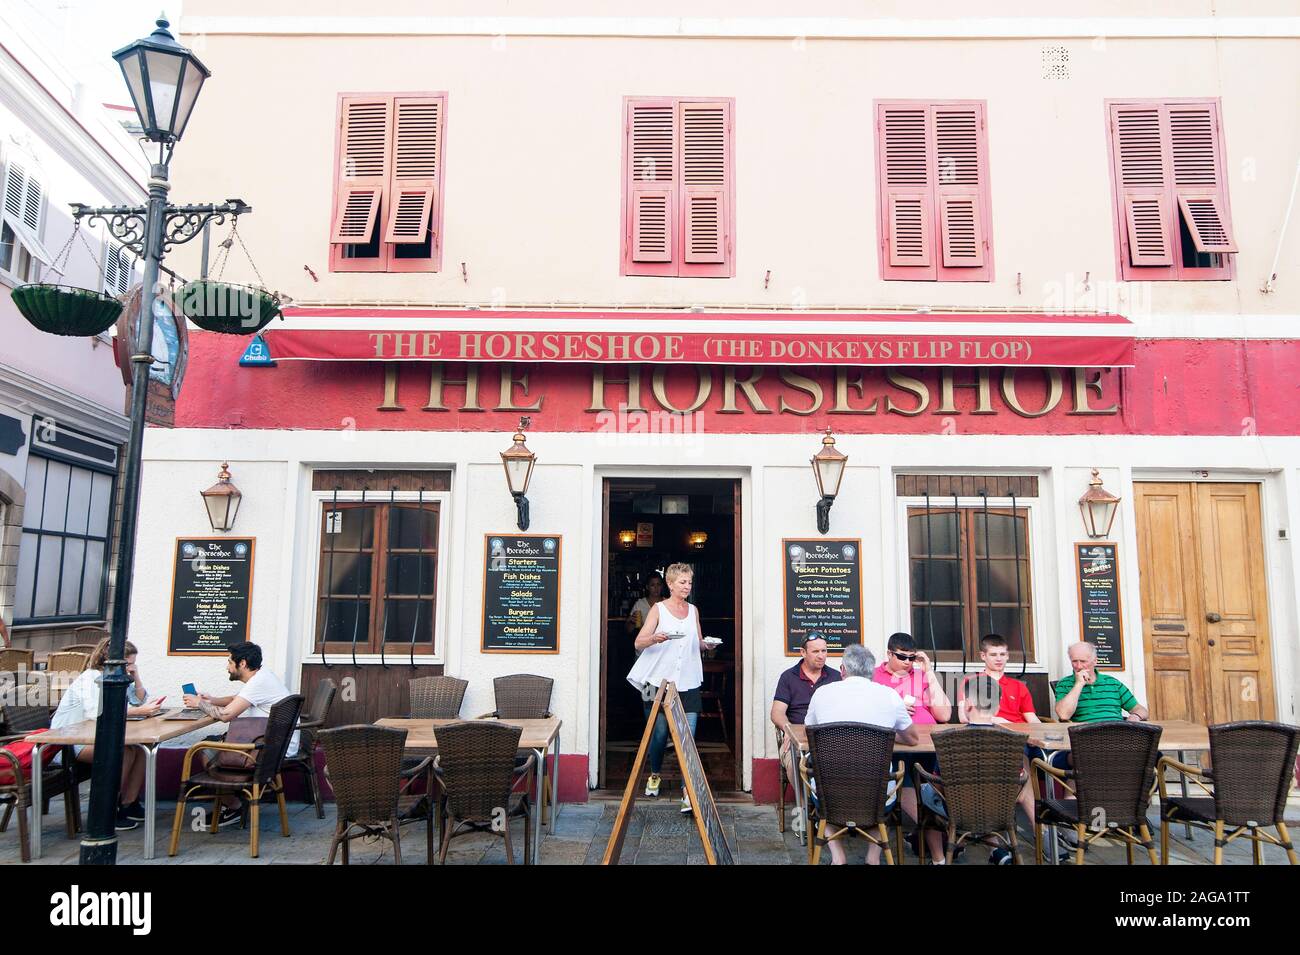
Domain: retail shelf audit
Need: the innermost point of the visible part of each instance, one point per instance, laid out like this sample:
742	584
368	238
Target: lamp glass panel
189	93
164	80
135	85
233	509
517	470
830	471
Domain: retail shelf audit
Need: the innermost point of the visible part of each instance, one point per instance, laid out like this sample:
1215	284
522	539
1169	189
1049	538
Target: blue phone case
189	689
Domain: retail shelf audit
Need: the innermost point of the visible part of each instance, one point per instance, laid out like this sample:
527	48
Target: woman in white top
670	645
654	590
81	701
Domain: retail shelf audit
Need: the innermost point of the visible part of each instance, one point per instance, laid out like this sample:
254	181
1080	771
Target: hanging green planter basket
226	308
66	309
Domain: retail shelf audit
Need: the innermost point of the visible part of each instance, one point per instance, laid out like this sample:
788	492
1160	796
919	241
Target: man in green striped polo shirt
1089	696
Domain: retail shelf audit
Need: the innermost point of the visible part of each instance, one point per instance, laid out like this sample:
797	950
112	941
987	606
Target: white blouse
677	660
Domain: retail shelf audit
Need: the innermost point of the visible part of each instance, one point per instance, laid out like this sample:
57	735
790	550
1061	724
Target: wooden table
537	737
146	734
1177	736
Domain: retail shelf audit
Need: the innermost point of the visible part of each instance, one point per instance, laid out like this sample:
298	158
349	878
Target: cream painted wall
778	496
534	135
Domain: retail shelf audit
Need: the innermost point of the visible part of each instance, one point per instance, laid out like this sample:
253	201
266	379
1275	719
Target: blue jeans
659	738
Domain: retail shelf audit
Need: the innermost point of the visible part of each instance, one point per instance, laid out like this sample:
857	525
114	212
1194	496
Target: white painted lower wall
272	468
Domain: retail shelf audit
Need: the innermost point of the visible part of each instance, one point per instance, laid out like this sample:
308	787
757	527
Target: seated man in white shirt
857	699
260	691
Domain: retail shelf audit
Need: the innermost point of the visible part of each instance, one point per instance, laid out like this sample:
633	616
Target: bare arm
227	712
1067	704
649	634
909	736
1140	712
940	705
779	718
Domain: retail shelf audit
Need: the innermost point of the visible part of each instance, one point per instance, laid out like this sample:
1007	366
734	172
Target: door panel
1204	602
1232	570
1172	621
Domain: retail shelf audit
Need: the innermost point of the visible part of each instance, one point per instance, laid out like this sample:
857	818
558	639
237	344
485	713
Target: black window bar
961	611
415	625
392	511
329	577
1020	612
988	567
356	615
925	580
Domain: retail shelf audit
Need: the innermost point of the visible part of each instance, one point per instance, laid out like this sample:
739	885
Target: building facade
992	255
62	400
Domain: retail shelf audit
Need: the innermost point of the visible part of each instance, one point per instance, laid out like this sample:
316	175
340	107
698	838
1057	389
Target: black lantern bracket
521	511
824	514
126	224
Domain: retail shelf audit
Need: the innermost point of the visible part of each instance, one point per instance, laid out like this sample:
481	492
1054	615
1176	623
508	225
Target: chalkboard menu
707	820
1100	620
212	589
823	591
521	593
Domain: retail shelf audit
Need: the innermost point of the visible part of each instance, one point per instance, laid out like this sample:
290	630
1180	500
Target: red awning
732	338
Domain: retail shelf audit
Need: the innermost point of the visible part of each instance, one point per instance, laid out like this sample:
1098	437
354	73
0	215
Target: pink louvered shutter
1141	175
651	181
704	167
362	174
961	191
1197	155
904	160
417	148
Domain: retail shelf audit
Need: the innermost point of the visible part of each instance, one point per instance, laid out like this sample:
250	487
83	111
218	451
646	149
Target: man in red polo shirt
1017	705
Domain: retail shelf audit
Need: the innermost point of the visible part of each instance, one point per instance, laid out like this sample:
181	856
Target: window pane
1007	622
349	528
8	241
404	574
101	506
996	581
402	618
942	534
35	489
341	619
409	529
74	552
47	576
935	580
351	574
92	582
56	496
948	630
79	501
1000	542
26	577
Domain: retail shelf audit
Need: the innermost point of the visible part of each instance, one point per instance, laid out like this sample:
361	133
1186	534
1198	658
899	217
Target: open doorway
649	523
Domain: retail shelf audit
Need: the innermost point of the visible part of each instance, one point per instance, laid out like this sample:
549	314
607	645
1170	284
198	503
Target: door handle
1213	617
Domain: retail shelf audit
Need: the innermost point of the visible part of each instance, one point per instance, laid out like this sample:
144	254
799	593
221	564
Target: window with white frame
119	268
970	563
22	221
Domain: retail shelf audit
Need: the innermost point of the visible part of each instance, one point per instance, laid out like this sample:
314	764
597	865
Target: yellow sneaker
652	785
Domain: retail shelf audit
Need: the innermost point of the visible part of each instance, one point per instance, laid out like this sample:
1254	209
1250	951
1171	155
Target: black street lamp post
164	79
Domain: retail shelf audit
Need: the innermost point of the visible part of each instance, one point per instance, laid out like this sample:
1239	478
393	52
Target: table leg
38	783
802	798
1183	779
150	796
555	783
537	806
1053	850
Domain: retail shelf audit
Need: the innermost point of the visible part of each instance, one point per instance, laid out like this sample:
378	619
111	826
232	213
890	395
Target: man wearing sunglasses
907	672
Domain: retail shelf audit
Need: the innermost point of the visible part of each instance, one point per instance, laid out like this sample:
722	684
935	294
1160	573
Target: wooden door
1204	608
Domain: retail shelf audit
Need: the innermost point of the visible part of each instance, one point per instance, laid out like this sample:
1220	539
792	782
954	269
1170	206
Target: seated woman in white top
81	701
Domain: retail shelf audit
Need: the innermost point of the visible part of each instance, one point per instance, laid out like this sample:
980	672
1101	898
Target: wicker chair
309	727
1253	764
851	765
63	661
981	778
523	696
437	697
362	763
251	784
478	772
16	723
13	659
86	648
1108	790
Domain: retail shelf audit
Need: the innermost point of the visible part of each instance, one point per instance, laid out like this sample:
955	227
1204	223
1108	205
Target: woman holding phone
81	701
669	644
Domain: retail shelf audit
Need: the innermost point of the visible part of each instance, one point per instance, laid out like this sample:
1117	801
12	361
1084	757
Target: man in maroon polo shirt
794	691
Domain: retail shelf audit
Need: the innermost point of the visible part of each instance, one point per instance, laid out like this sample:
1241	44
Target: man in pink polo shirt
907	672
